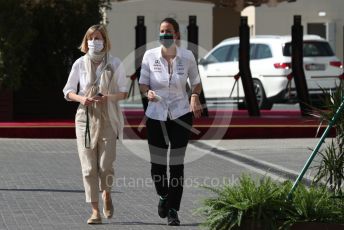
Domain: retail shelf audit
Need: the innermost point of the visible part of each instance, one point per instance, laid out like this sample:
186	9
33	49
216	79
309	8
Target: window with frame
262	51
311	49
234	53
219	55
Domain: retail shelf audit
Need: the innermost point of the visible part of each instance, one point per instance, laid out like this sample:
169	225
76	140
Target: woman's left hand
195	106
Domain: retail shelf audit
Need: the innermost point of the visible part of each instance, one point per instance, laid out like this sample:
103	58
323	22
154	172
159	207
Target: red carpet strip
221	124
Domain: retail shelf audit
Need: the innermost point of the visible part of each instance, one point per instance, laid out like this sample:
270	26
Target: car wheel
263	102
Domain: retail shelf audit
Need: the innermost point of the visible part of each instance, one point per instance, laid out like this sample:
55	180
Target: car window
219	55
311	49
253	48
262	51
234	53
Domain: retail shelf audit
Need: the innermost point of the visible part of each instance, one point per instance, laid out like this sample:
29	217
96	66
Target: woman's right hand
151	95
86	101
81	99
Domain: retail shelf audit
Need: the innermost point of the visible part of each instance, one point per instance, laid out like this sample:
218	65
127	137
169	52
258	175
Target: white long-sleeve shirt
78	75
171	88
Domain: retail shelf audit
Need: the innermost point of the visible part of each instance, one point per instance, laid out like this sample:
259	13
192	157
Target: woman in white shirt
98	121
164	74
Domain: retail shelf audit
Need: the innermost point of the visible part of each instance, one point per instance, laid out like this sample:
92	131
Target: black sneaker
162	207
172	218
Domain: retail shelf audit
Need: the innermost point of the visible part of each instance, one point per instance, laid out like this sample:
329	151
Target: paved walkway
41	185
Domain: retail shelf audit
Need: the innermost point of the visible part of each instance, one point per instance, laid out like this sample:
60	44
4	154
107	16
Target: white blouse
78	75
174	101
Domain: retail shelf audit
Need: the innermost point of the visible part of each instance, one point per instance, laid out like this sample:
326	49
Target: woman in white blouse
164	74
98	121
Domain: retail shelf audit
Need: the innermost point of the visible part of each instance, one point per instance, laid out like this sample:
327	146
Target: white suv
270	65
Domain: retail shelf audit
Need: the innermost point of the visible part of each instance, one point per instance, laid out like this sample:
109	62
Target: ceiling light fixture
322	13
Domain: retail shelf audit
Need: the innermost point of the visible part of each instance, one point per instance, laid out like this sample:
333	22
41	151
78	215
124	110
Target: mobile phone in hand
157	98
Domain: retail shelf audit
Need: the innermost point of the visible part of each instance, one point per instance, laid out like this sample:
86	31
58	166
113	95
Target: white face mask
95	46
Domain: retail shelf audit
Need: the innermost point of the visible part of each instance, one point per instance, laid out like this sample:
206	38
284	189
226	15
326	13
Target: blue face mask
166	40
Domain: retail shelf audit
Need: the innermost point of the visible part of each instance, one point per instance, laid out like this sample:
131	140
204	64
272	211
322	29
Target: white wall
279	19
123	17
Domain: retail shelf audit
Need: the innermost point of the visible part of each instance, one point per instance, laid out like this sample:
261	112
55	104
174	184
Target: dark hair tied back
173	22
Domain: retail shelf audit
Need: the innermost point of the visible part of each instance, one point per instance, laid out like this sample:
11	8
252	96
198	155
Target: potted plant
262	204
315	208
249	204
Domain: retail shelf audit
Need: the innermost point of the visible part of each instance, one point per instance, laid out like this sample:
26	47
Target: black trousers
162	135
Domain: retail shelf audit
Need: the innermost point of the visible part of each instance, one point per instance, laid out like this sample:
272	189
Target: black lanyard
87	131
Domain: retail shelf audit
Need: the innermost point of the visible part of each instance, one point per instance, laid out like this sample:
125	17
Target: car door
218	70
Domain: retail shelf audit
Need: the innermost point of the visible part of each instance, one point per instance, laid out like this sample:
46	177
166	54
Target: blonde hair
102	29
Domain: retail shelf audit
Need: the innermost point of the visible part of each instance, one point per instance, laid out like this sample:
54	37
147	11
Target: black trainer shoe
162	207
172	218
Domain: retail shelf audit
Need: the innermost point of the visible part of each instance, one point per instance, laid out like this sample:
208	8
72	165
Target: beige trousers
96	164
